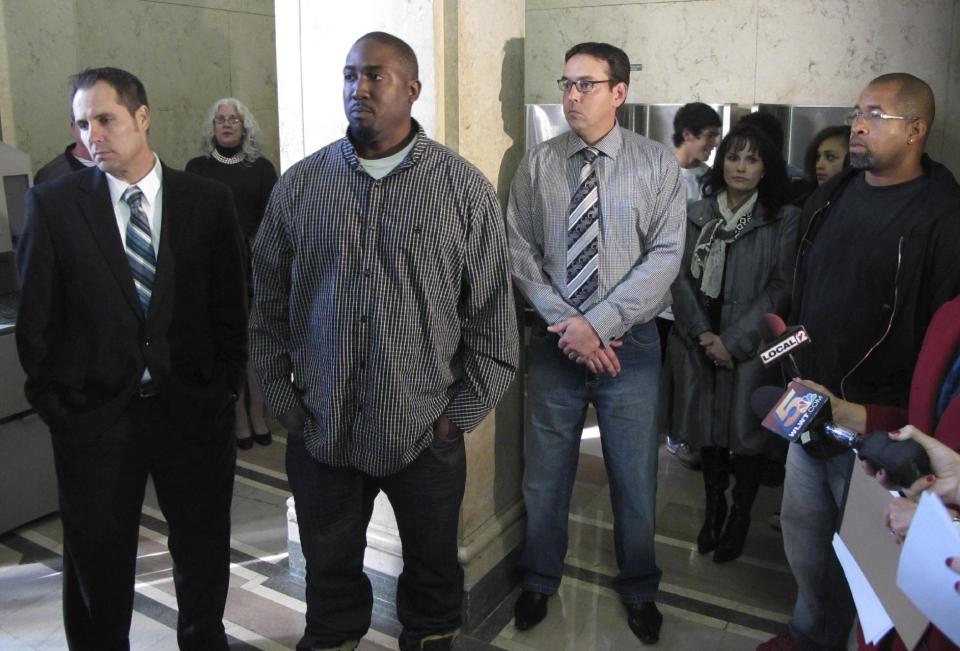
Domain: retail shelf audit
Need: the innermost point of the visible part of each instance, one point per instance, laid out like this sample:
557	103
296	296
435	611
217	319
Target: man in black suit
132	332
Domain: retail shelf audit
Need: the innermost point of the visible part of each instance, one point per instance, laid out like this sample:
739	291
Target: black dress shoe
530	609
262	439
245	443
645	620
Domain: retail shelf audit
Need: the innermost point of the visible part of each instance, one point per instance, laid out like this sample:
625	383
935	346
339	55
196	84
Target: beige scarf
710	251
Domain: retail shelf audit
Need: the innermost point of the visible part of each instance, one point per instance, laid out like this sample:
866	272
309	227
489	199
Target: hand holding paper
922	574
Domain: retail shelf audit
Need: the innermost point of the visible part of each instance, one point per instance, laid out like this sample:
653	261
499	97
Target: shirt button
363	318
363	364
367	273
147	342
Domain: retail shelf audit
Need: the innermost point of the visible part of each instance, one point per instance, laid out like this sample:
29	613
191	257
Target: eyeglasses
233	120
583	85
875	116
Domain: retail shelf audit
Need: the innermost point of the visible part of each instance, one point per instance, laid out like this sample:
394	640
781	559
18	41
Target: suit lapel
98	212
174	209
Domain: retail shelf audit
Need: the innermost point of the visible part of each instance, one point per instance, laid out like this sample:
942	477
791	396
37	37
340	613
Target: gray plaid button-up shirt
642	215
382	304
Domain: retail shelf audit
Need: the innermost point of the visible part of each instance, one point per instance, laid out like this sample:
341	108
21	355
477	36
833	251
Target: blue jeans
558	393
814	492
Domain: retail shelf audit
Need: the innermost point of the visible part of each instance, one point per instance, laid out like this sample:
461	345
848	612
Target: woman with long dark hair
737	266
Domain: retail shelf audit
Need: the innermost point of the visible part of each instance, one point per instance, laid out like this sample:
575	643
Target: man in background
696	128
73	159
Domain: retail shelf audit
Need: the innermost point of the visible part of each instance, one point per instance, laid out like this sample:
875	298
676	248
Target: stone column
471	65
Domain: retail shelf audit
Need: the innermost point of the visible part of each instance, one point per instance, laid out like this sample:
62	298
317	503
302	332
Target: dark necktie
583	232
140	255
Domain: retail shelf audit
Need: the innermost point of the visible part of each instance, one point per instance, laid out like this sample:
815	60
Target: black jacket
928	275
81	334
63	164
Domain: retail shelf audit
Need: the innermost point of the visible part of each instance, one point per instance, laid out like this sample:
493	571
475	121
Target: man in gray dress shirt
595	223
383	329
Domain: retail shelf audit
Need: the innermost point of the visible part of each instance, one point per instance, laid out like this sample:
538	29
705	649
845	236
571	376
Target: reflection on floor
706	606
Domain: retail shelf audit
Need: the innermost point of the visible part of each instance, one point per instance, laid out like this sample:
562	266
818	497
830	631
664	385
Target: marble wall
313	39
188	53
749	51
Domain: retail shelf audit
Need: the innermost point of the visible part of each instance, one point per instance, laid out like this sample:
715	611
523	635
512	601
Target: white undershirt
380	167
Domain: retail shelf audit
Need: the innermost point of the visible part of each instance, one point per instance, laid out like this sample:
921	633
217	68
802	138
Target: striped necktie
583	231
140	255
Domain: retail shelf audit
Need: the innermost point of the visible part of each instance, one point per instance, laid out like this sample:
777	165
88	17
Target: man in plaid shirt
383	329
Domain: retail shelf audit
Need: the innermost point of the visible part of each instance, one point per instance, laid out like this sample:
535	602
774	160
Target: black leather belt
147	390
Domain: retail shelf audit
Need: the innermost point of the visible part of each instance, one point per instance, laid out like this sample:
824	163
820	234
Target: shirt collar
350	154
149	185
609	145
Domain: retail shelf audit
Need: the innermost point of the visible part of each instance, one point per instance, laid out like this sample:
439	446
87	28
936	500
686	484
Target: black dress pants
102	476
334	506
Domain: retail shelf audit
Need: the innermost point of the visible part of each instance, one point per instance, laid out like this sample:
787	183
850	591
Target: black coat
927	276
711	405
81	334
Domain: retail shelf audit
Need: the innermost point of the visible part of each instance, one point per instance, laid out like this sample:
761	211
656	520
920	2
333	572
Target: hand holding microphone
803	415
944	462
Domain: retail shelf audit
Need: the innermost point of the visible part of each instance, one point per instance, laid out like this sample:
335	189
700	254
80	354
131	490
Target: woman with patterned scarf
738	266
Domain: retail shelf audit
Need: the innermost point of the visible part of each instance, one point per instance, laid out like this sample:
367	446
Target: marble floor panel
706	606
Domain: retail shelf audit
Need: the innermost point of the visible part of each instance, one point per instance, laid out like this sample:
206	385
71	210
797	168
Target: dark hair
695	116
402	49
768	124
130	90
616	59
810	157
773	186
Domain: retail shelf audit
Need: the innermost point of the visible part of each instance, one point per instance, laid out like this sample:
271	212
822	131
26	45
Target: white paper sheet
874	620
923	574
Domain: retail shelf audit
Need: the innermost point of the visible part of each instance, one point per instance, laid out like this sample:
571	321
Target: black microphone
803	415
779	341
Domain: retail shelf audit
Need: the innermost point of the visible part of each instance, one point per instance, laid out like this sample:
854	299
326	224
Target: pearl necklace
233	160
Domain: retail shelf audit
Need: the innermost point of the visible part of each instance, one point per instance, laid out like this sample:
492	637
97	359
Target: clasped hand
580	343
715	350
